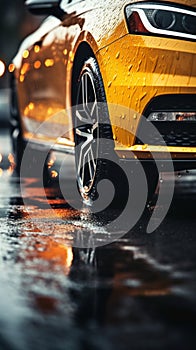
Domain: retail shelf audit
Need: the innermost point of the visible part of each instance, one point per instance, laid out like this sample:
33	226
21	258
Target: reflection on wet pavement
137	292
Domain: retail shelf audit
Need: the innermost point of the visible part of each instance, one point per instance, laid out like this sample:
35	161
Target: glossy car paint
134	68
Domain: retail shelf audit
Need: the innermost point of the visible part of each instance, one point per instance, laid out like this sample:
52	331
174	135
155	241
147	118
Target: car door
43	74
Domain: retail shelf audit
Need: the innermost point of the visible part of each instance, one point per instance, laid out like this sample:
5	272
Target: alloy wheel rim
86	133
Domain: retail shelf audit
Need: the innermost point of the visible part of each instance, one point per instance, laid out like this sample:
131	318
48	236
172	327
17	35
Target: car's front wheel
94	146
92	130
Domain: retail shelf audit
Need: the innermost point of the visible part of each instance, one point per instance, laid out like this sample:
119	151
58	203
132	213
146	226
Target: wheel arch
83	52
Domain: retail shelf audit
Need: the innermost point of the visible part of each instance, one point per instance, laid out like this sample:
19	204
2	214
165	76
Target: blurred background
15	24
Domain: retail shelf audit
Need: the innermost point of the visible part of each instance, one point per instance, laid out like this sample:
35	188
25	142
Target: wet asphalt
138	292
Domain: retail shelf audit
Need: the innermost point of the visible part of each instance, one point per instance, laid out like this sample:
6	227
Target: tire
152	177
94	151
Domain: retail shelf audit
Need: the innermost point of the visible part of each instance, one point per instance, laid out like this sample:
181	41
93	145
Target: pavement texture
138	292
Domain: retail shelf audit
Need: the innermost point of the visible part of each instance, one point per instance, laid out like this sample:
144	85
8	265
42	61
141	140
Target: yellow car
107	70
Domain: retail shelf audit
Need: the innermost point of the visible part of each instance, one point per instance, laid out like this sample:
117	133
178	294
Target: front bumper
139	69
182	158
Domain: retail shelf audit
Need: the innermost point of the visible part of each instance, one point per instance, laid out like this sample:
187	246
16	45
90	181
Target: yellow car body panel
150	67
135	69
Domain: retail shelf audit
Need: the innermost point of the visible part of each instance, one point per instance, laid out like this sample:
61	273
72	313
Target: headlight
161	19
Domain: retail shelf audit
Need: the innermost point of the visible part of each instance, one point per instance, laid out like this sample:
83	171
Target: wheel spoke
82	133
83	116
90	168
89	163
93	107
83	151
95	126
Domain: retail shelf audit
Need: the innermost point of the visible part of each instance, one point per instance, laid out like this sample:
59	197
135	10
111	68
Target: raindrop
139	64
177	55
160	178
87	256
118	55
141	98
